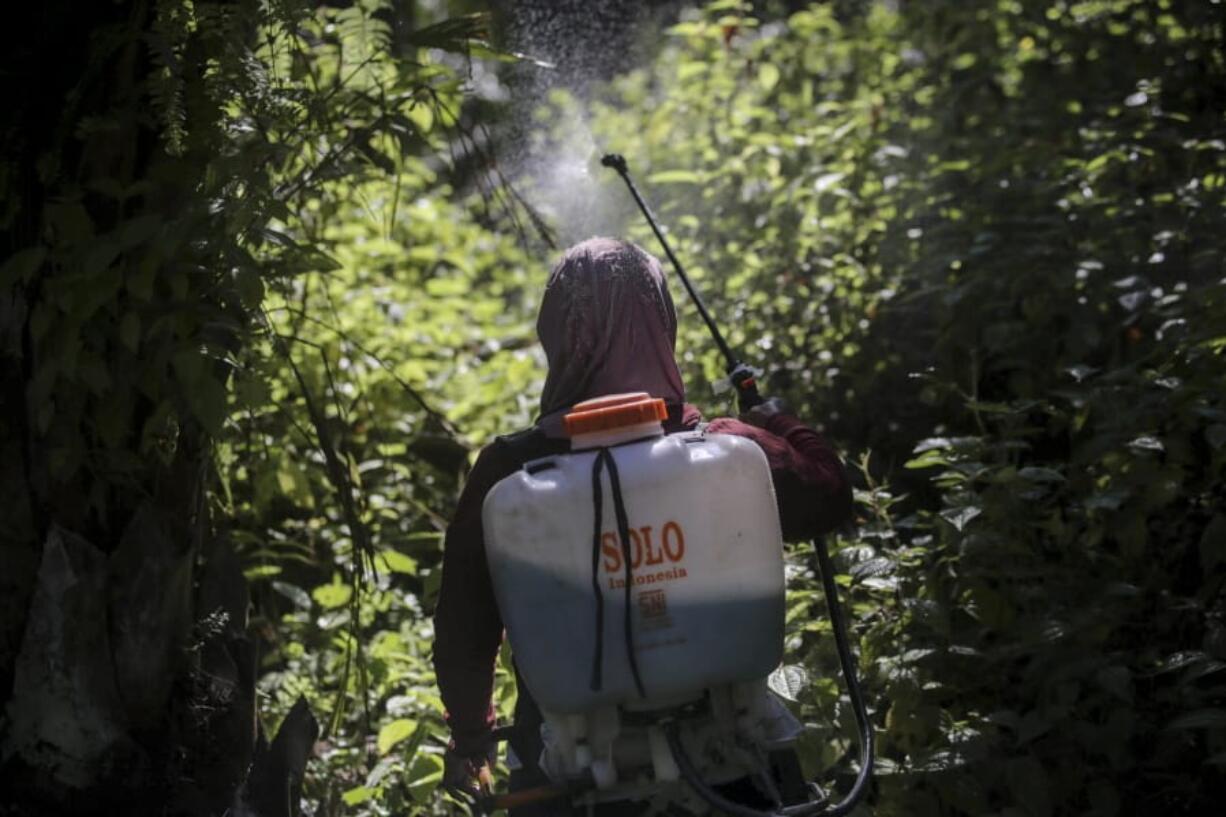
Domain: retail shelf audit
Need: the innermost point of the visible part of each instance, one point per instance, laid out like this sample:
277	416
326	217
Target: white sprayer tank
707	587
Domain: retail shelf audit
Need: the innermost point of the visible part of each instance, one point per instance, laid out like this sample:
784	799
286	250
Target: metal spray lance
740	375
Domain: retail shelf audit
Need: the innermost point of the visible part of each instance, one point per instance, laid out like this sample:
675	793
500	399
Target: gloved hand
468	777
761	413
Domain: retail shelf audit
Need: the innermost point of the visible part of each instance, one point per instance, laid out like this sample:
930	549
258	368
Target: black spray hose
864	727
848	664
713	798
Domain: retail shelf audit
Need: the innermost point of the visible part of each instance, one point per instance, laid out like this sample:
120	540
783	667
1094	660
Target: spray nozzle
615	161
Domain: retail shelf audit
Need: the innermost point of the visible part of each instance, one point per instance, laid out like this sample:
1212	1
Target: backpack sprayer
648	654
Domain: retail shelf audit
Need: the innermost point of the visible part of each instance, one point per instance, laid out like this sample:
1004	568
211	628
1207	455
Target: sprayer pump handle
745	382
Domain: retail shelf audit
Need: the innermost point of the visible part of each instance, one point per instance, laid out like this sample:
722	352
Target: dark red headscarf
608	325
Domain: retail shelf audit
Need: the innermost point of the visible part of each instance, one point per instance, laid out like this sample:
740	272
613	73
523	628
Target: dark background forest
268	276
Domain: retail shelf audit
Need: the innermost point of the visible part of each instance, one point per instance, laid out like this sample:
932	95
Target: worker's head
607	325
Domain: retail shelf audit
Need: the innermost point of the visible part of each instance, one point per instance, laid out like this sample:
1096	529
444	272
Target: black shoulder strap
529	444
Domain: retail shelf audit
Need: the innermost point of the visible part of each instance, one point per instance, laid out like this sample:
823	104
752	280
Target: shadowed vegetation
269	283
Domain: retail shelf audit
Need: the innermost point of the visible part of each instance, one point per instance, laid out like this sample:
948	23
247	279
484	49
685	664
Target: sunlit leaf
927	460
788	681
332	596
357	795
961	517
393	733
1146	443
768	76
675	177
291	591
397	562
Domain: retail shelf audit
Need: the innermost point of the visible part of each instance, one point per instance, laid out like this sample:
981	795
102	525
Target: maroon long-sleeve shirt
811	487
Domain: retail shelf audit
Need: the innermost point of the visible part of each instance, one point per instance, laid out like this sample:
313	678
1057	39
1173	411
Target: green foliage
223	286
383	354
966	242
981	246
984	246
150	263
416	307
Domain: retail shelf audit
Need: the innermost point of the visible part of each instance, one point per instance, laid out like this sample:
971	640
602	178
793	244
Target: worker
608	325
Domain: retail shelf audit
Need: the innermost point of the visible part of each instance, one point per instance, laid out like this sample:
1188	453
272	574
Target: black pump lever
739	374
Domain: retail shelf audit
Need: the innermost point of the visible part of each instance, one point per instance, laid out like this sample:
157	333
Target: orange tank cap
613	411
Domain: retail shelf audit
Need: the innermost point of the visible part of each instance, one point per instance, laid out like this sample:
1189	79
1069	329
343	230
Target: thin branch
363	552
337	472
413	393
513	200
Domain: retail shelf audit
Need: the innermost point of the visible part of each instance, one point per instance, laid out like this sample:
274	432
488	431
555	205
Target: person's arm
811	487
467	624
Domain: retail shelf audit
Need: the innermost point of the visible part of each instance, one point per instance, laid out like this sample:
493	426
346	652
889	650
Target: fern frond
173	23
